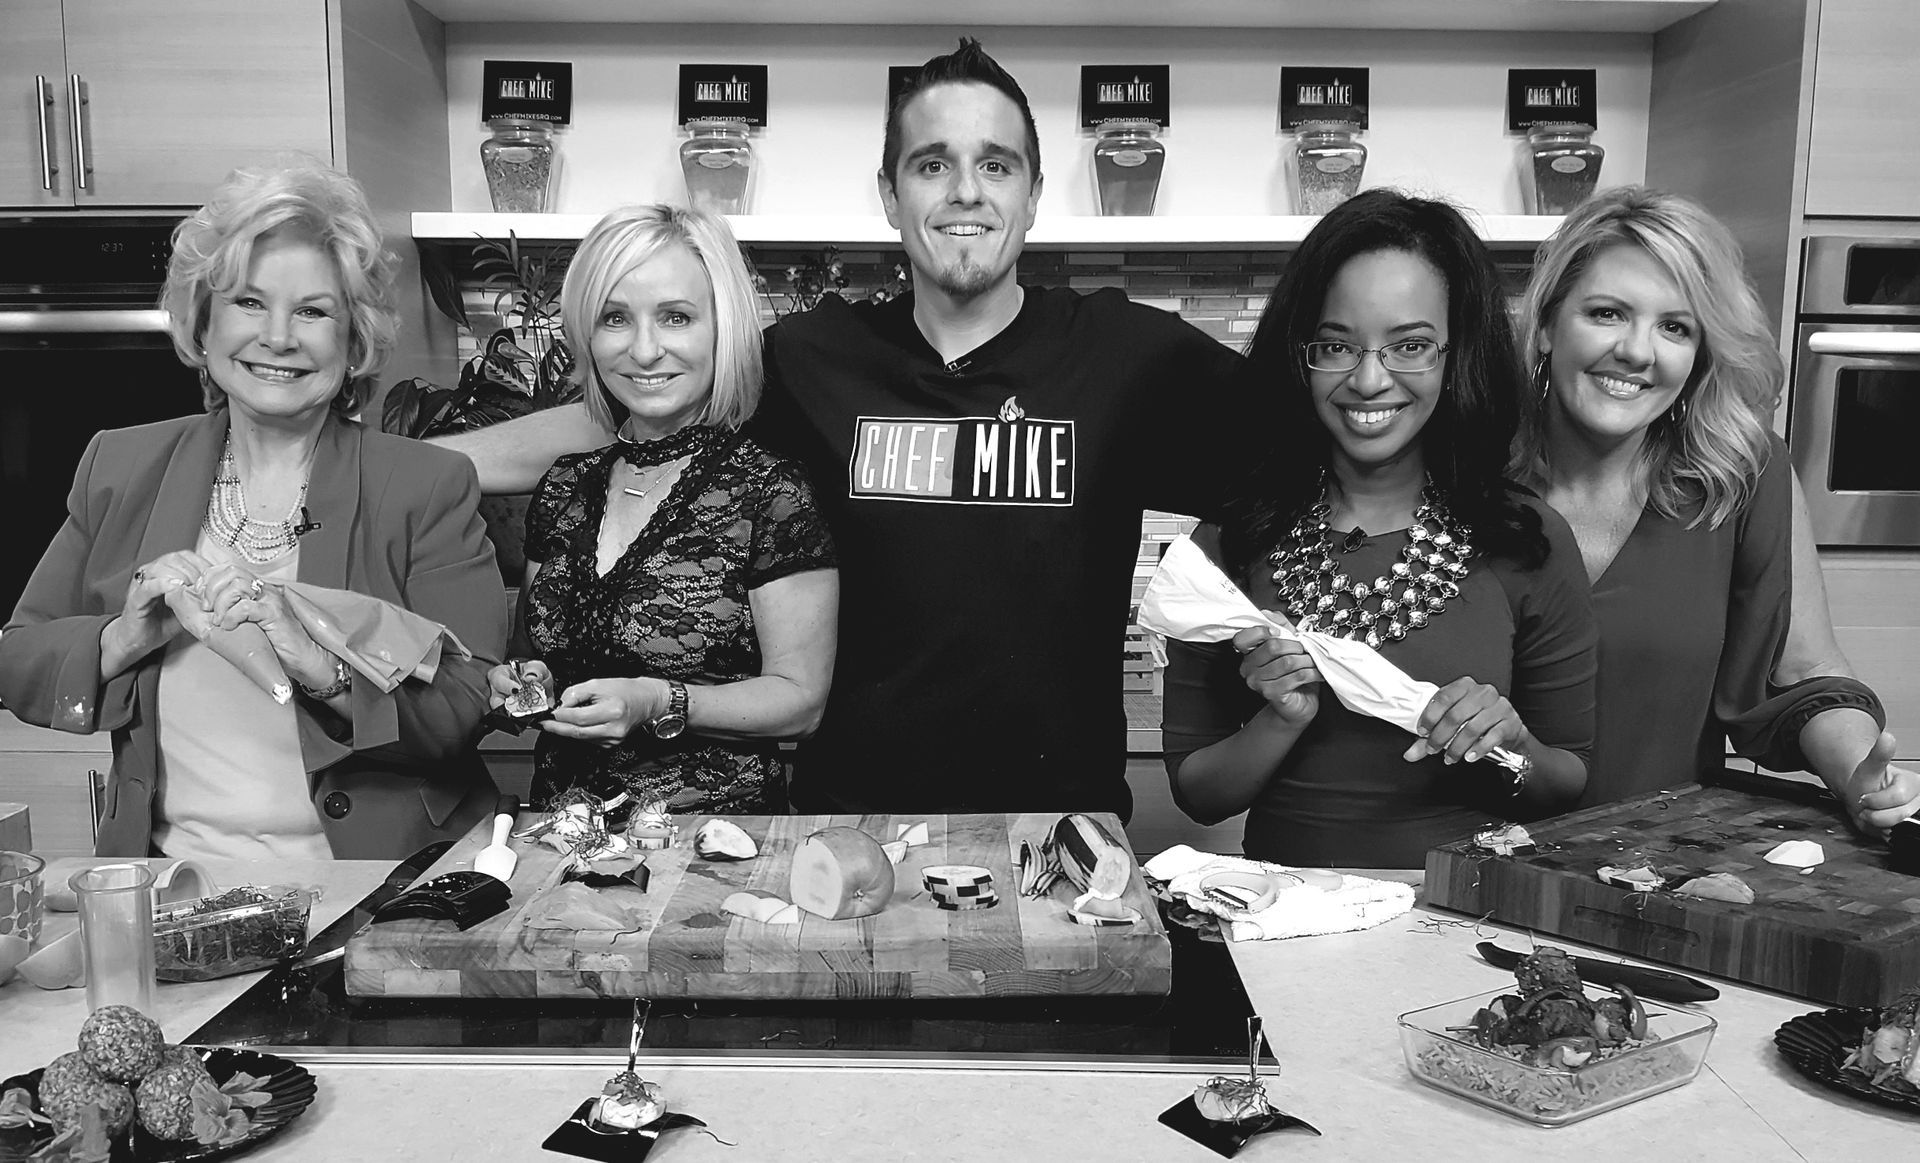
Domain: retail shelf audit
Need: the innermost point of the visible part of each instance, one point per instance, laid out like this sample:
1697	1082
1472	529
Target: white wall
1437	109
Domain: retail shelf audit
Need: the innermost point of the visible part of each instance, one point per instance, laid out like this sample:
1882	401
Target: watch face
669	725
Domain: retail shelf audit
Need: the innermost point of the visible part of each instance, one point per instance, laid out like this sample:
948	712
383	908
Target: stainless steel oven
83	346
1855	421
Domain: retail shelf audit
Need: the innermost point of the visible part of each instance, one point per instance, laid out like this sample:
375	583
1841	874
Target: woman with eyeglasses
1383	513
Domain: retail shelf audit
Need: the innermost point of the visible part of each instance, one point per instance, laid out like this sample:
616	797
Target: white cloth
1191	599
1300	910
233	781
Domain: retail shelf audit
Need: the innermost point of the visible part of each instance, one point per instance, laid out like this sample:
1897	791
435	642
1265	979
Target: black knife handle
1658	983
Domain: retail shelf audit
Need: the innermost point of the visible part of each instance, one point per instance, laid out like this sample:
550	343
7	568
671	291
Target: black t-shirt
987	514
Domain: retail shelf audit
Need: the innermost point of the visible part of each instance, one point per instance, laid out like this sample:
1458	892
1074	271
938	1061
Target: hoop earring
1539	382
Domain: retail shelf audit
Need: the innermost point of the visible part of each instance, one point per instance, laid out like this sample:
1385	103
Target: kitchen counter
1338	1048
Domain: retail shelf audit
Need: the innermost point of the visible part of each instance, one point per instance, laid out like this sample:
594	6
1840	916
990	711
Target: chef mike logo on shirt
1006	459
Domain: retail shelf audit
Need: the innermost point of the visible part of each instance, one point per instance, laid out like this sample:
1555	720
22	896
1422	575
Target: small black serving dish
465	897
1818	1043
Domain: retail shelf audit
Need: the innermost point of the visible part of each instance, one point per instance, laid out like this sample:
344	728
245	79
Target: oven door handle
1864	343
83	322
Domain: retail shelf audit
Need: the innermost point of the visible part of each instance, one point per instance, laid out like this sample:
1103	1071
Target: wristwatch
672	721
342	679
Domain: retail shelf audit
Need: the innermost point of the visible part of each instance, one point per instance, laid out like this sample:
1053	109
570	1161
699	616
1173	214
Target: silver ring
258	587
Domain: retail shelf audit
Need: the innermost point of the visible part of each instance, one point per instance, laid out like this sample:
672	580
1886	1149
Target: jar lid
1559	127
1328	125
538	123
1127	125
717	124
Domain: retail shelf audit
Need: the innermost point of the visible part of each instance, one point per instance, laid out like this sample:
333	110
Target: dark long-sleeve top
1692	622
397	519
1343	796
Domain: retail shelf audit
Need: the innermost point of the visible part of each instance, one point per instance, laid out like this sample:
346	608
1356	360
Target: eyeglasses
1409	355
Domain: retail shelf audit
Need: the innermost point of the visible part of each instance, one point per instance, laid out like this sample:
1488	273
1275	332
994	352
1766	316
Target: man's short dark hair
968	63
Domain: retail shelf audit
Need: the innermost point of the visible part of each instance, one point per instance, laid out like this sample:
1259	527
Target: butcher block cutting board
683	945
1846	932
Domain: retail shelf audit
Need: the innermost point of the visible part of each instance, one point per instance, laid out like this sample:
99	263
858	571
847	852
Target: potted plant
522	365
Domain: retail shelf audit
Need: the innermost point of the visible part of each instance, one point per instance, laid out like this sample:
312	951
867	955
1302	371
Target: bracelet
342	680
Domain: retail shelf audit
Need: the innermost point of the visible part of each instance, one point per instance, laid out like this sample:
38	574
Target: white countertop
1329	1005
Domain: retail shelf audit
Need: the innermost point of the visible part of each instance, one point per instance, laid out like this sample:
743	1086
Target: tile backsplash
1220	292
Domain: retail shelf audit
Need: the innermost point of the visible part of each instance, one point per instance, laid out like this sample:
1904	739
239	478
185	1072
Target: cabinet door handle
43	97
80	167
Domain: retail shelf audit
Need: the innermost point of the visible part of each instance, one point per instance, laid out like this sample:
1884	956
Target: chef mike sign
521	102
719	106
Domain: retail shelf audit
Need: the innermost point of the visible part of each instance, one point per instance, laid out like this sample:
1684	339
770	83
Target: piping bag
245	646
1192	599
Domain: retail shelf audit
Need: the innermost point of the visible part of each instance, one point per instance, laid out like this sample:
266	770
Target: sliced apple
841	873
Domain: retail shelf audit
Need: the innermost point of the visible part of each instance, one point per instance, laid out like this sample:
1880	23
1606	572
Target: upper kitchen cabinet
121	103
1457	15
33	68
1864	156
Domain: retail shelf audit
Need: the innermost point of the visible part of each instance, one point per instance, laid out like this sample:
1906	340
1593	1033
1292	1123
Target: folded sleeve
50	649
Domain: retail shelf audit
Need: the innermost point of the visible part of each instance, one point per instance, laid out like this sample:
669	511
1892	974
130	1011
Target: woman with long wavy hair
1647	423
1384	514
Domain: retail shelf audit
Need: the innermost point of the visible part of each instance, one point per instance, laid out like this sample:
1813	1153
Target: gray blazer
397	520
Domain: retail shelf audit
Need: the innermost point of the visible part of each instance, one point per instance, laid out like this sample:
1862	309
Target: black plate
290	1086
1818	1043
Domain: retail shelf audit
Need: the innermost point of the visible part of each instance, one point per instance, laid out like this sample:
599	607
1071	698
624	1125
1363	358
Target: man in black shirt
983	452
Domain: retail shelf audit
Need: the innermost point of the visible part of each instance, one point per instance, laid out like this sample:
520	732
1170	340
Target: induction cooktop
1201	1026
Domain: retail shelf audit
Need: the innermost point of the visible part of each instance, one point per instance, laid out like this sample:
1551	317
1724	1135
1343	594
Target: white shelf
1488	15
1222	232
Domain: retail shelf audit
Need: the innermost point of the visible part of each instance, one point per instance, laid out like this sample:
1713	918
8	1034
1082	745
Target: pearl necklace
1318	595
229	523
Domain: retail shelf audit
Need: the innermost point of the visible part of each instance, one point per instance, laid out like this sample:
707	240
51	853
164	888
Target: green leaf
442	286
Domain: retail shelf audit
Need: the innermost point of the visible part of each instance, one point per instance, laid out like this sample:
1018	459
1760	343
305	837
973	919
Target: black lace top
674	606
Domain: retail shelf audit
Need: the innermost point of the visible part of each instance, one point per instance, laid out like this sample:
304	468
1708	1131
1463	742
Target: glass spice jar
519	163
1328	164
1565	166
1127	162
717	161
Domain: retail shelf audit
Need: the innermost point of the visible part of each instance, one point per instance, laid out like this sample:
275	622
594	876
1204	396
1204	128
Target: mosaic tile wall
1220	292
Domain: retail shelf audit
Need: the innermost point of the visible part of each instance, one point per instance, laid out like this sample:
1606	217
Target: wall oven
83	347
1855	421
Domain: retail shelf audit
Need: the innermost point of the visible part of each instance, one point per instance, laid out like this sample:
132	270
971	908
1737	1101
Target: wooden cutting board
1846	932
682	945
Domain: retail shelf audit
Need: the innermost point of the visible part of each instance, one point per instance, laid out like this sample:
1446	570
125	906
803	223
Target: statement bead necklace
1318	595
229	523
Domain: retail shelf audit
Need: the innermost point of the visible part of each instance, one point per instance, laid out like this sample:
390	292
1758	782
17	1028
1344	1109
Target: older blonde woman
1648	426
280	292
681	589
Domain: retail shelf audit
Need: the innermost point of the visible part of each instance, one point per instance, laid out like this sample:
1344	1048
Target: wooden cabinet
33	68
54	774
1864	151
154	101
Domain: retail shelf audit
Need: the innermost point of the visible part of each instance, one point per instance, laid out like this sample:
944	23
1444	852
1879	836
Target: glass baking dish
1552	1096
236	931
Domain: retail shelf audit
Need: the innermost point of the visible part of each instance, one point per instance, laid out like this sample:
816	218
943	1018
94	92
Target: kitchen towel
1298	909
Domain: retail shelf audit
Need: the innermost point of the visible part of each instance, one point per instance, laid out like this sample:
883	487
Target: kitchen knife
331	941
1638	978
